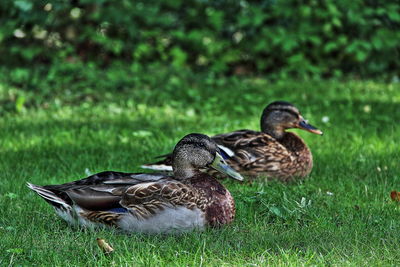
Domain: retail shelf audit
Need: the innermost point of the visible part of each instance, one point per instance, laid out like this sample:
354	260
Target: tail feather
49	196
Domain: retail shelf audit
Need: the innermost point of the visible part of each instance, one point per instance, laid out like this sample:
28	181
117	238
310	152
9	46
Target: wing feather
144	200
255	152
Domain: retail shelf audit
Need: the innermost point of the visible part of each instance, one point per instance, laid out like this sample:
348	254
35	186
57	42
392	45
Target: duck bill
220	165
308	127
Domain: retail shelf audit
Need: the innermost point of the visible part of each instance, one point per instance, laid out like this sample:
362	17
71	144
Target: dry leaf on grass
395	196
104	246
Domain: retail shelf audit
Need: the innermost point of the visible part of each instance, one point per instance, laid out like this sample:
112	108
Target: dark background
275	38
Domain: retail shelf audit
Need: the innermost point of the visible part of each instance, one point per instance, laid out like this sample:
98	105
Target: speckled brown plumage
259	155
271	152
102	217
146	200
216	201
189	199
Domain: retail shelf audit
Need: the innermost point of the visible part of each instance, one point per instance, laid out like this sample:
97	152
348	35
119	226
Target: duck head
196	151
279	116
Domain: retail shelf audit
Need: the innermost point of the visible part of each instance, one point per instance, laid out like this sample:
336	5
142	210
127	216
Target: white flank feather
160	167
228	151
169	220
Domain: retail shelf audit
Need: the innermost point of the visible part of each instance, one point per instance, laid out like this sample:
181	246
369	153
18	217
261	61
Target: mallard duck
151	203
271	153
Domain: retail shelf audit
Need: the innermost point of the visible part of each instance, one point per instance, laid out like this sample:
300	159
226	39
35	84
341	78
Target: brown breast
219	206
303	162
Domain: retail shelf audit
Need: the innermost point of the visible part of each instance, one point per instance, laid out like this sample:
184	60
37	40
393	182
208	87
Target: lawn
341	215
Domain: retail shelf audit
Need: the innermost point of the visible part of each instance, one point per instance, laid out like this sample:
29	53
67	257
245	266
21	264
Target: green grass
341	215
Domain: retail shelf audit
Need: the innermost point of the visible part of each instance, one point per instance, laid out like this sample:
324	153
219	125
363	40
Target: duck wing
101	191
146	199
230	143
236	138
143	195
254	152
261	154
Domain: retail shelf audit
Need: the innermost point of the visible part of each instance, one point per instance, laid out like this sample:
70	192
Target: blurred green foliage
282	39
